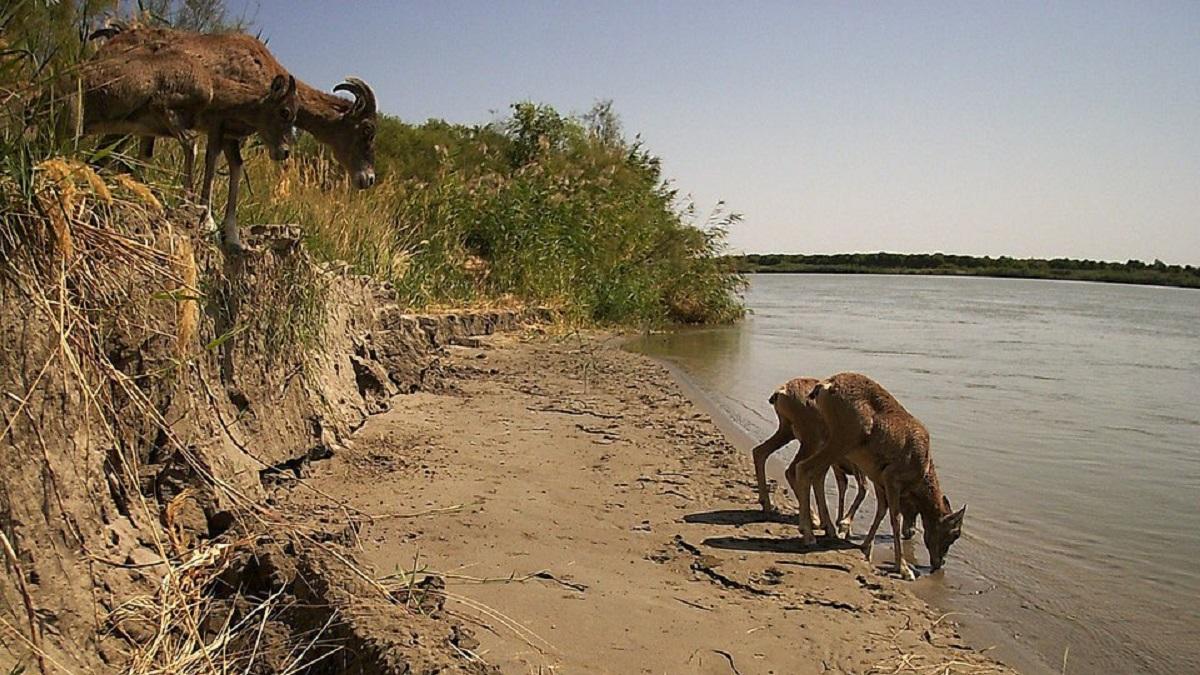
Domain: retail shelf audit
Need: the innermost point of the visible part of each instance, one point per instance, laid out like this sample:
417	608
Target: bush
536	208
539	207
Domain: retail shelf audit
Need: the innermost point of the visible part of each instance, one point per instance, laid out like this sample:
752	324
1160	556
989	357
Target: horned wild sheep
799	420
869	427
161	82
345	126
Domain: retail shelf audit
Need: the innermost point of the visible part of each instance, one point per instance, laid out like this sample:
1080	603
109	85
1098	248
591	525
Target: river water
1066	415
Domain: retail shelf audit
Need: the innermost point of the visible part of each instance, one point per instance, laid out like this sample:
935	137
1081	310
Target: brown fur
870	428
347	127
799	420
160	82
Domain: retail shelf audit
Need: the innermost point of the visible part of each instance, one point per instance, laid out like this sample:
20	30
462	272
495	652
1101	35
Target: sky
1015	128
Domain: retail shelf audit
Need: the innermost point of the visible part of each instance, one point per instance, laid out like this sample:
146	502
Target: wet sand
593	519
976	628
1015	381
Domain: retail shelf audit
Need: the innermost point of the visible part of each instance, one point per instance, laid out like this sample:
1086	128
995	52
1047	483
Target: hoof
906	573
208	226
866	550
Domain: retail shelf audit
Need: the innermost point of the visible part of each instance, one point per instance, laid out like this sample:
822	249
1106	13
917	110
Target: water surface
1065	414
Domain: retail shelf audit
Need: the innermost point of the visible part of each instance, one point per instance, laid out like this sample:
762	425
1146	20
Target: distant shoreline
938	264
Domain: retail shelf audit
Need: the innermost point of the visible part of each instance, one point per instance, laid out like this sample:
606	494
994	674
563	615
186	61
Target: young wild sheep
160	82
868	426
799	419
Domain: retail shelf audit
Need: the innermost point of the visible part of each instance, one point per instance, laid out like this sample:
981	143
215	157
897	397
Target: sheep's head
941	534
277	123
354	146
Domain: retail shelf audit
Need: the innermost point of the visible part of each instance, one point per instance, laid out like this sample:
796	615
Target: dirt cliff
151	391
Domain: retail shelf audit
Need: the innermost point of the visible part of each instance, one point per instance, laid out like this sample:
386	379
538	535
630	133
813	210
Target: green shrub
539	207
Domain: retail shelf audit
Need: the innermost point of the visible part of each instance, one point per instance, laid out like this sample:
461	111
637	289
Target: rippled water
1067	415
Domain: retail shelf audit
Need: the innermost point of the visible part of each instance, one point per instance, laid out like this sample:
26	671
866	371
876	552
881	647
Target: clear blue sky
1001	128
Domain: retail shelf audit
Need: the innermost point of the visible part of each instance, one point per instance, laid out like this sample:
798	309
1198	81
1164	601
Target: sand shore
572	488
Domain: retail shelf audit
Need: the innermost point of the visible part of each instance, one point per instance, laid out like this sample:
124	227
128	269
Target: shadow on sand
738	517
776	544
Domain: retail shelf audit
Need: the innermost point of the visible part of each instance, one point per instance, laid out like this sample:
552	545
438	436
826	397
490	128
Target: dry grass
89	258
359	228
95	258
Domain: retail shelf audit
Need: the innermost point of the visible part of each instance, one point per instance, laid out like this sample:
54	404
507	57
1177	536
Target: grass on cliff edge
538	207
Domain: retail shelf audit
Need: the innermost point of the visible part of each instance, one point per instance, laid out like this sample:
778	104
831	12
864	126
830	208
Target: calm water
1067	415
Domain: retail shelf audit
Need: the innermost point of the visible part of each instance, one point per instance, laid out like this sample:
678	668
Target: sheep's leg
230	238
909	527
828	529
881	508
793	480
802	486
861	493
761	452
176	128
839	475
812	471
146	148
212	150
893	497
188	141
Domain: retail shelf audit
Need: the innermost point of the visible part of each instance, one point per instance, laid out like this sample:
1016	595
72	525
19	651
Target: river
1065	414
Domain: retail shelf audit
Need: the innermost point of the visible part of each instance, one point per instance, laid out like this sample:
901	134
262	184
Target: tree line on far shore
1129	272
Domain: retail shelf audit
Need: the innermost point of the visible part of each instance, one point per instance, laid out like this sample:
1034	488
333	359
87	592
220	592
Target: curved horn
364	98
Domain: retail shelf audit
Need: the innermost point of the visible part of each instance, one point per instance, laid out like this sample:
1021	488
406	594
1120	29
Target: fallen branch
729	657
569	411
697	605
728	582
822	602
677	494
416	514
596	430
818	565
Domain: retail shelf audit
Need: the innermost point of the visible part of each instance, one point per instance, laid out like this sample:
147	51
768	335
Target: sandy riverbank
594	506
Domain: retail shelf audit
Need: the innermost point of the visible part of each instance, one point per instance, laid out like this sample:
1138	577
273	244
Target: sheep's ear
946	502
279	87
956	519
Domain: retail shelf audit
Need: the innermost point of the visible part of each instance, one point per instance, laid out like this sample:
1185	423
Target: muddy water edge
979	630
1062	413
